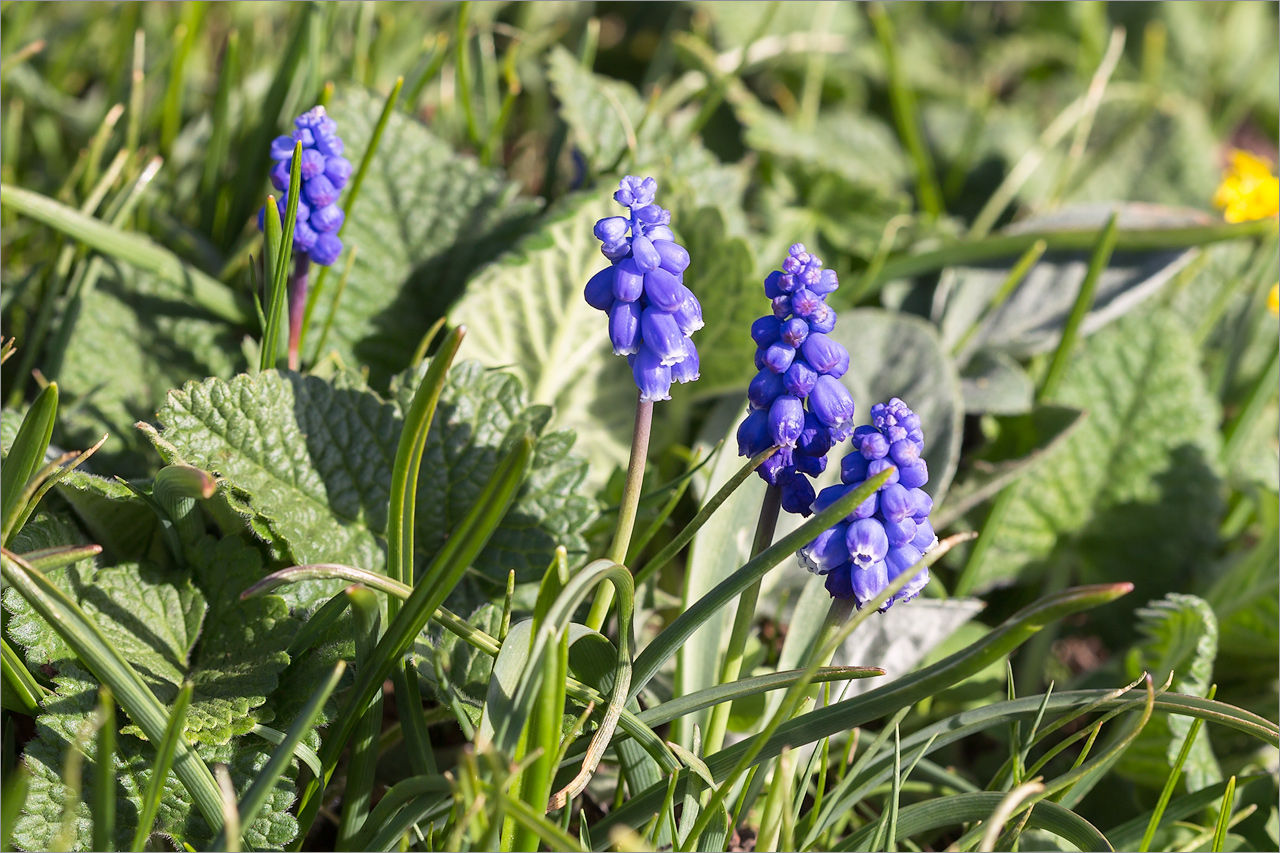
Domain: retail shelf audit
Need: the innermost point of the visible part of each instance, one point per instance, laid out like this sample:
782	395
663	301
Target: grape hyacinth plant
889	532
652	318
324	171
796	399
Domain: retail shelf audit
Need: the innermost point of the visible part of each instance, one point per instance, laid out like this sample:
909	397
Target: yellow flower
1248	190
1273	300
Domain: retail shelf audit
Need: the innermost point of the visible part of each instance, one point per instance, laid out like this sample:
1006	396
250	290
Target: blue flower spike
889	532
324	173
652	315
796	399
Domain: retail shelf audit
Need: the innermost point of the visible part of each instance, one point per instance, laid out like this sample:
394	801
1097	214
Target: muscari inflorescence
324	173
798	364
651	313
887	533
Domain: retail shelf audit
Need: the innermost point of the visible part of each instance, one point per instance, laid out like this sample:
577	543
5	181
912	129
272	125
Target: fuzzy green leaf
66	714
315	458
1179	636
134	340
427	218
1135	485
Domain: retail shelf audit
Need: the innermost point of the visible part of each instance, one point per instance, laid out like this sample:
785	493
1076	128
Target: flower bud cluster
651	313
797	400
324	173
887	533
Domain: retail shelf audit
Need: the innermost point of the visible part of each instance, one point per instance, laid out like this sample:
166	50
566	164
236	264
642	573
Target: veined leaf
1179	637
428	217
315	457
1135	485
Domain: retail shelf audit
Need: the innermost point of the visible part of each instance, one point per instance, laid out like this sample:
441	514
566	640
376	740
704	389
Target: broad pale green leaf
1030	320
1132	494
526	314
1043	429
1179	636
315	456
133	342
898	355
994	383
427	217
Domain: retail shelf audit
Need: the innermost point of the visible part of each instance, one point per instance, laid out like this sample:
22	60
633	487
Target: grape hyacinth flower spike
889	532
652	315
324	173
797	400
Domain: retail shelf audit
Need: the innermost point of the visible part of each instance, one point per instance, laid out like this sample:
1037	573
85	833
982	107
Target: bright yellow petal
1273	300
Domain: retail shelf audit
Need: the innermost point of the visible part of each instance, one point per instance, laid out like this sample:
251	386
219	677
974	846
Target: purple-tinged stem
297	305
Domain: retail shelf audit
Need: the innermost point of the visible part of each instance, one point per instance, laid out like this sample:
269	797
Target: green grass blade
26	455
254	798
185	38
278	248
1098	261
1013	245
165	750
906	115
47	559
202	289
301	751
942	812
103	805
666	643
685	536
1126	836
1171	781
399	797
552	836
402	510
1224	816
22	693
362	760
107	665
910	689
439	579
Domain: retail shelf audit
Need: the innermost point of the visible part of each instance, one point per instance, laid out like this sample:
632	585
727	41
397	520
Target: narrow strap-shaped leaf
465	542
408	463
165	751
204	290
941	812
903	692
22	692
26	454
102	807
107	665
649	661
